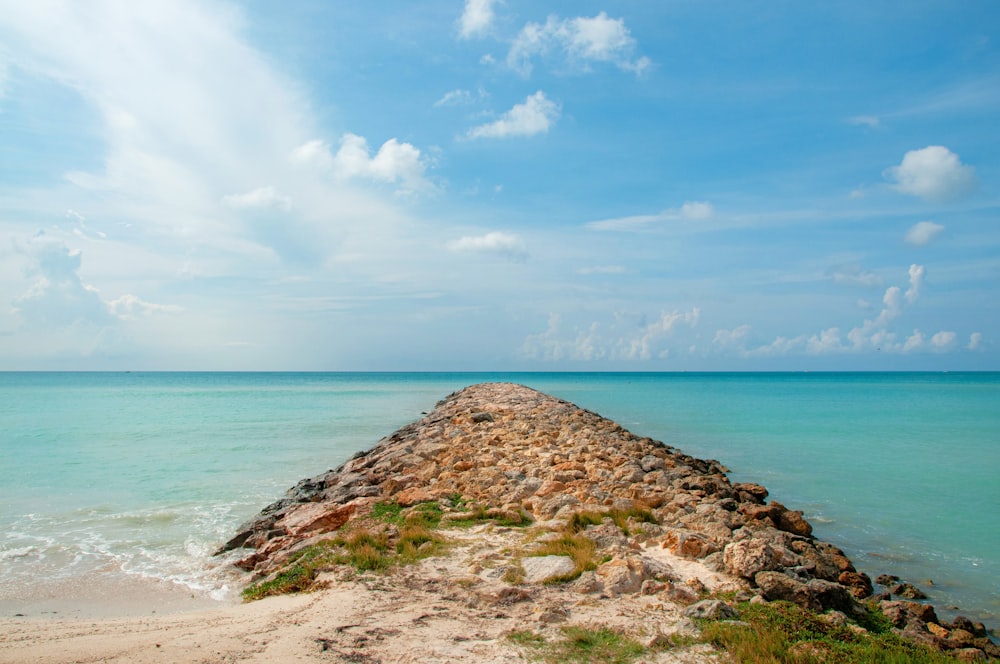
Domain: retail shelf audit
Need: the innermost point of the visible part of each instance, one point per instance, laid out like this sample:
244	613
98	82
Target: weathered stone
748	557
793	522
311	518
620	577
687	544
907	590
710	609
775	585
539	569
859	584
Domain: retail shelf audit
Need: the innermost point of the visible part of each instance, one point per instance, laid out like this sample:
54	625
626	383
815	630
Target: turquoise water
145	474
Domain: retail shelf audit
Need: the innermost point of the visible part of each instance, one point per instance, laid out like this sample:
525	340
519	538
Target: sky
499	185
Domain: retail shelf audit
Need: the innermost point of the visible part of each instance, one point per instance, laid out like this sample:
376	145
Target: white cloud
264	197
535	116
626	338
459	97
914	342
647	344
825	341
943	340
394	162
871	121
934	173
975	341
580	40
690	210
734	338
509	245
697	210
477	17
130	307
59	298
854	274
916	282
922	232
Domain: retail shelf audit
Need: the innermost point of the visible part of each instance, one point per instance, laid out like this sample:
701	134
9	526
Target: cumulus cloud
59	298
735	338
647	344
508	245
625	338
922	232
460	97
934	173
580	41
394	163
262	198
975	341
916	282
535	116
690	210
943	340
476	19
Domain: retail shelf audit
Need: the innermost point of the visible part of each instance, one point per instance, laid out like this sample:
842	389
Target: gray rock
539	569
710	609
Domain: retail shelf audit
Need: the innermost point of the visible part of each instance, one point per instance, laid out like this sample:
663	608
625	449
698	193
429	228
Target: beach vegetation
298	574
478	513
580	520
782	632
579	548
579	644
417	542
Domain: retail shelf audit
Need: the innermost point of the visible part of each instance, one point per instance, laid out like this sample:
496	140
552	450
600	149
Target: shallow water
143	475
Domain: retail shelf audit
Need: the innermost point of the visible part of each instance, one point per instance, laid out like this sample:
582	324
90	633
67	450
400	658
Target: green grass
598	645
416	543
579	521
577	547
479	513
781	632
299	572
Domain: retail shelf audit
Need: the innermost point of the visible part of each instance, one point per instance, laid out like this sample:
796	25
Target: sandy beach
425	613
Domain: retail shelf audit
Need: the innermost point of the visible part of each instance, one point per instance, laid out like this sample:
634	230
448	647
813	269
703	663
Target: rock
886	579
777	586
748	557
652	587
552	614
681	594
962	622
750	493
794	522
907	590
937	630
312	518
687	544
587	584
858	583
970	655
710	609
831	595
539	569
620	577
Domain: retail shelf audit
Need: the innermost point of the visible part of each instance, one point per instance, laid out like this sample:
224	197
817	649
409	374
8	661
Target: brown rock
313	518
859	583
748	557
793	522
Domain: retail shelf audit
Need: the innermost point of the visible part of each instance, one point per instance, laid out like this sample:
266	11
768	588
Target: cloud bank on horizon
485	185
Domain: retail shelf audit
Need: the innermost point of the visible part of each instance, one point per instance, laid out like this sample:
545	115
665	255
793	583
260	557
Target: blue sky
499	185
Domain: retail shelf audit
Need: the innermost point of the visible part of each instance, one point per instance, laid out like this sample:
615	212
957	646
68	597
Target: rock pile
526	454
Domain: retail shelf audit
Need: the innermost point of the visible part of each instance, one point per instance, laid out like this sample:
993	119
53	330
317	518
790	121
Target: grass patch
426	515
388	512
416	543
479	513
299	573
781	632
577	547
579	521
597	645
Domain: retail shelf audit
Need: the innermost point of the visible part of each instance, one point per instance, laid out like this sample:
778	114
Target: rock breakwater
660	523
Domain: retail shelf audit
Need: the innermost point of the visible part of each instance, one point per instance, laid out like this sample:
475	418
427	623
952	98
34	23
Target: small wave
21	552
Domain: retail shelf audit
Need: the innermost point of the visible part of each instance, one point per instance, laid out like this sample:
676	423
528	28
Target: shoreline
315	506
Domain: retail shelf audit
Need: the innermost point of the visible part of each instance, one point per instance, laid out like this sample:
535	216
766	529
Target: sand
436	611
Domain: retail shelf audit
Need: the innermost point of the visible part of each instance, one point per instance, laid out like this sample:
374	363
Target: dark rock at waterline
907	591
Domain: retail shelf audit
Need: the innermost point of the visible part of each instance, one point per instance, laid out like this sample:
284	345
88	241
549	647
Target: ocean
127	478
